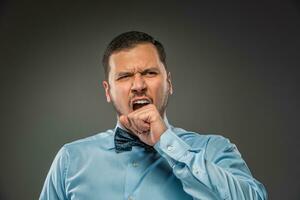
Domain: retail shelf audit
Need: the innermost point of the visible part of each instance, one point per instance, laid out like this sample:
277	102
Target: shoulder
101	140
194	138
210	142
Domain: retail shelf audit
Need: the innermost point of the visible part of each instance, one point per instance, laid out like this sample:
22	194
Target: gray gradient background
234	67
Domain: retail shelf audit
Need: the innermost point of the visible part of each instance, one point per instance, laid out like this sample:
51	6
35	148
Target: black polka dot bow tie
124	141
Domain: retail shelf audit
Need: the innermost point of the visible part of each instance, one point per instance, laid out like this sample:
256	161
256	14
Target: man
145	157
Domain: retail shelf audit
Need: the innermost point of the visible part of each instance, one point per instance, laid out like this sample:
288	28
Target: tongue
138	105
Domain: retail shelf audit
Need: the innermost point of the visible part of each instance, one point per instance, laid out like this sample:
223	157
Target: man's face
137	77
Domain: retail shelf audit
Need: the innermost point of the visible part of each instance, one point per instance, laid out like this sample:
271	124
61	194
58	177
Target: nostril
139	92
138	85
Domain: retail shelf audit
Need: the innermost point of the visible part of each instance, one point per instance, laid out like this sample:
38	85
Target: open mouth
140	103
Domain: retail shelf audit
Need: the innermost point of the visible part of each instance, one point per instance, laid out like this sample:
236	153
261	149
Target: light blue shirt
185	166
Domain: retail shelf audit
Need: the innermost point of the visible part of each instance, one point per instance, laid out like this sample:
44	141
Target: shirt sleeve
54	186
213	169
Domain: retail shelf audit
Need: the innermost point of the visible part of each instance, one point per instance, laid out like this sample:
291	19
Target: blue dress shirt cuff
171	147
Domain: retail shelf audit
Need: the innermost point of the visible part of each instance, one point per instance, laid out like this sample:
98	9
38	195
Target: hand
146	123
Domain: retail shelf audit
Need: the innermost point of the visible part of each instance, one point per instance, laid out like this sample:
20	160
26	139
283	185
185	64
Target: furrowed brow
152	69
123	74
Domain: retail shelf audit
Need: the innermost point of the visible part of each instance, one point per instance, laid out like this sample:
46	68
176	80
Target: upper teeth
141	101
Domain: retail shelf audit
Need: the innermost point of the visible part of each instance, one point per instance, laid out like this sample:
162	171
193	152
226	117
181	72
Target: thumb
124	121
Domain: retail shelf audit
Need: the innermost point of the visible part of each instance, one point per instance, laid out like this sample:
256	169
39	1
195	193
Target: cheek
120	92
159	88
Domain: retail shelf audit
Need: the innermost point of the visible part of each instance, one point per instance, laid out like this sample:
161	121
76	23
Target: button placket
133	174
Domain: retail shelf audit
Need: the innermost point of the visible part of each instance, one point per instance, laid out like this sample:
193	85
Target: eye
123	77
151	73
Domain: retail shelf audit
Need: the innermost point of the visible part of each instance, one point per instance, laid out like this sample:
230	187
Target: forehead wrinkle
139	59
136	56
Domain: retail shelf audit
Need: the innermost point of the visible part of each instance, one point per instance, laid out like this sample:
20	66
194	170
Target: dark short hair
129	40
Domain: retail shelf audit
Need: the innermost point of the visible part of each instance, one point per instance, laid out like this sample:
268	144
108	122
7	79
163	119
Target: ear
170	83
107	93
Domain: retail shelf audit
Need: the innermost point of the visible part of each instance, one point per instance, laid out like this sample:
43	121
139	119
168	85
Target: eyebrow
150	69
119	74
123	73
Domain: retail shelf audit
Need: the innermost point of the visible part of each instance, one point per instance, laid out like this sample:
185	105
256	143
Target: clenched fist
146	123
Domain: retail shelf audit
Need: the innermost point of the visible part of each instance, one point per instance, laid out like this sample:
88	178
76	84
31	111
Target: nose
138	84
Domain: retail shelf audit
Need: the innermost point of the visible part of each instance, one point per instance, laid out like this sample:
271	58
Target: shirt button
170	147
130	198
135	164
196	170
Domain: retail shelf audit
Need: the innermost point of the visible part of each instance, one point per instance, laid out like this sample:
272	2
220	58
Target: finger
129	125
142	126
143	113
148	116
141	110
139	122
